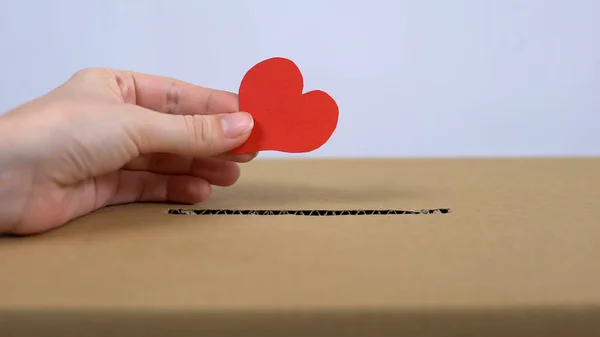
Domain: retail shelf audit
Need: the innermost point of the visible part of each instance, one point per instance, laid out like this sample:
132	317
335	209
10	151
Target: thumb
191	135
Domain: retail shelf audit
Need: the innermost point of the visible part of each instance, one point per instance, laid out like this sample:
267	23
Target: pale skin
108	137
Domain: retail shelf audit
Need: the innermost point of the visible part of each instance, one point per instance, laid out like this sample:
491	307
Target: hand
109	137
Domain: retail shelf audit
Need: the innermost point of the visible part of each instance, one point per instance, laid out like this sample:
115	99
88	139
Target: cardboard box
516	255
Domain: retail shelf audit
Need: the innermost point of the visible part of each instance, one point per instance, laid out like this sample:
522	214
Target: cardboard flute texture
517	255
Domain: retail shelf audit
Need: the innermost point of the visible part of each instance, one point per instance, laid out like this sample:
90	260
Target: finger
144	186
172	96
188	135
214	171
217	172
238	158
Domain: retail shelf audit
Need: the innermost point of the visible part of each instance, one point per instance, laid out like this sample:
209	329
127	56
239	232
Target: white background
412	78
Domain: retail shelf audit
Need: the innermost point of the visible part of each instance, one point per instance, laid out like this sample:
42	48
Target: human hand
109	137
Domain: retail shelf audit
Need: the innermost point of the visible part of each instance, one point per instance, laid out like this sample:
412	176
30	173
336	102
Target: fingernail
236	124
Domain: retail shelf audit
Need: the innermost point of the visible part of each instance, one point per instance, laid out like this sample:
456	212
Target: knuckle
125	86
119	83
172	98
91	72
89	77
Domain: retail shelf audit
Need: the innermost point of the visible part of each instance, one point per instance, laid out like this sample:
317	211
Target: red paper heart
285	120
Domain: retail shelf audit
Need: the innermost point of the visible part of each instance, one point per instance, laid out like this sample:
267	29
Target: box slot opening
307	212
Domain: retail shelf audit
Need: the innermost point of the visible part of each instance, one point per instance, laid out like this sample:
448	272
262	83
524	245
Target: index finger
168	95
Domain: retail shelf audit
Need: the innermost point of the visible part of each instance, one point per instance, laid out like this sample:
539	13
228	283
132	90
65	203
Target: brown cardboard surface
517	254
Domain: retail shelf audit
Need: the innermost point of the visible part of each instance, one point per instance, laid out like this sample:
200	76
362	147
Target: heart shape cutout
285	119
